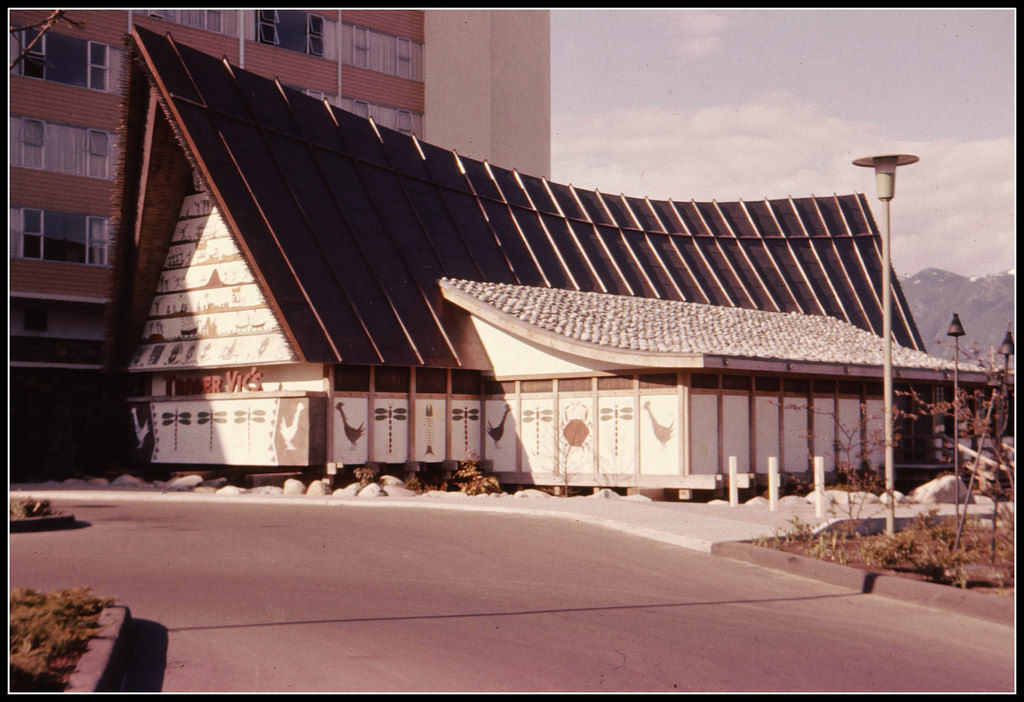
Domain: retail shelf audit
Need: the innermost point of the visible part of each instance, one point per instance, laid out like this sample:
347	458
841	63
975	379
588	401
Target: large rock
318	488
605	494
531	492
387	481
294	487
372	490
347	491
229	490
127	480
185	482
398	491
942	490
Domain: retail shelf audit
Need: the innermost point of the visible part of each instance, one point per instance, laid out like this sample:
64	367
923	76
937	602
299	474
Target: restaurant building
300	288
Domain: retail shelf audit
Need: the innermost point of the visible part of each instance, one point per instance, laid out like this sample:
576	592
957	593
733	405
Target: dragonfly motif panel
229	432
465	422
390	430
617	434
538	435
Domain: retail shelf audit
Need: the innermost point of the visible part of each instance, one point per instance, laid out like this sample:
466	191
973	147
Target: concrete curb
991	608
104	665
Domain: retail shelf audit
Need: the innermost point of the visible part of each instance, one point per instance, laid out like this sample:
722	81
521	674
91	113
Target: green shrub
49	633
889	551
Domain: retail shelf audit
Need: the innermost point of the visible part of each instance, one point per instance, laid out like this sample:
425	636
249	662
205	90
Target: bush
25	507
49	633
471	482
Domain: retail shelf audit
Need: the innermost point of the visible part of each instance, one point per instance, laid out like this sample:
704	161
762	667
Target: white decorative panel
825	430
208	309
576	434
390	430
659	434
429	430
736	431
703	434
617	434
465	424
502	439
795	442
849	432
875	425
766	410
538	434
232	432
351	443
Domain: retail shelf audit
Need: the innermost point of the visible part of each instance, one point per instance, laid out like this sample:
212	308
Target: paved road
263	597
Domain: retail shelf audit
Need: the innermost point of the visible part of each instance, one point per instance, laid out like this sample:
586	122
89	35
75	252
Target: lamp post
956	330
1005	350
885	181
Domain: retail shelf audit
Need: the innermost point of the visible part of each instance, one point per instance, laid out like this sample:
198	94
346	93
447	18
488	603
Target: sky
748	104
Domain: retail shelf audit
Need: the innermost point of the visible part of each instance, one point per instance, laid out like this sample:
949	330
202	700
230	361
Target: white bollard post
773	483
734	496
819	486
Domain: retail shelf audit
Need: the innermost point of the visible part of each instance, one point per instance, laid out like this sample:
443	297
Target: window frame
313	35
91	65
264	21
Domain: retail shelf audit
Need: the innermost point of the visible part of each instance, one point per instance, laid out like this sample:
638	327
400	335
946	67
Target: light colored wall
488	86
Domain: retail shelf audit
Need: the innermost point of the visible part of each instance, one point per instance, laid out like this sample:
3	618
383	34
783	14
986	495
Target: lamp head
955	327
885	171
1006	348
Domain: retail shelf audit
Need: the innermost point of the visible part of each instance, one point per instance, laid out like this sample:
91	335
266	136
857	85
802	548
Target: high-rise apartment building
474	81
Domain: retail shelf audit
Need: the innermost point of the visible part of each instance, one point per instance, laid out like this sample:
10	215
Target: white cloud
953	210
698	31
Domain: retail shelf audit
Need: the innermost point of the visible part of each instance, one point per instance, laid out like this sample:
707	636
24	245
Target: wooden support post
773	483
733	488
819	486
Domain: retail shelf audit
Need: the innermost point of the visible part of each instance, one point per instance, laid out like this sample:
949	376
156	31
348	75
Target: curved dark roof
351	226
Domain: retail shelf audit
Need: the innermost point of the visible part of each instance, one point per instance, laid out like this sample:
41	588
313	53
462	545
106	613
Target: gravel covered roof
636	324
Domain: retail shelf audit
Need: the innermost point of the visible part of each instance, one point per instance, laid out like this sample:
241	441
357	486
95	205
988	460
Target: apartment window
65	59
99	153
33	137
314	35
404	47
97	66
60	236
35	320
361	47
361	108
291	29
60	148
211	20
377	51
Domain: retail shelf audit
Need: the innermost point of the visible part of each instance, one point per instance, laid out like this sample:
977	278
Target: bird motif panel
351	442
502	434
659	434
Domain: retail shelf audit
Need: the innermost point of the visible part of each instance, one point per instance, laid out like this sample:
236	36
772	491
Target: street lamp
1005	350
956	330
885	181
